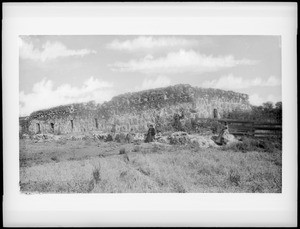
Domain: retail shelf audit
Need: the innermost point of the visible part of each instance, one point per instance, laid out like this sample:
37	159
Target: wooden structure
251	128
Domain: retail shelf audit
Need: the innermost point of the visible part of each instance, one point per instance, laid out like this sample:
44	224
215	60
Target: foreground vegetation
88	166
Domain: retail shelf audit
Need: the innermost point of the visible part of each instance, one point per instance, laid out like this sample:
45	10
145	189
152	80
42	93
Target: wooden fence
251	128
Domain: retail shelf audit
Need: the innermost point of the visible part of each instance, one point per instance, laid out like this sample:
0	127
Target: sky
59	70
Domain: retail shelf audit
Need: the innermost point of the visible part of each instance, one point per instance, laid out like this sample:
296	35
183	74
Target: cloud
44	95
49	51
150	43
160	81
231	82
257	100
180	62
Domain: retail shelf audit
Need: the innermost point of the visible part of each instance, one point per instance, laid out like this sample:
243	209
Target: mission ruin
134	111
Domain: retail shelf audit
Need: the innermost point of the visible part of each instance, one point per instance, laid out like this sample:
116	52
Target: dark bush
234	177
121	138
109	138
96	175
122	151
253	144
55	158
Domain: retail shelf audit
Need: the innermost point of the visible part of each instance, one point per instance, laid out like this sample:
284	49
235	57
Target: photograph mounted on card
150	114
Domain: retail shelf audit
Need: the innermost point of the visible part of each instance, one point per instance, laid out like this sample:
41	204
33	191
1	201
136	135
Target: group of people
149	137
220	139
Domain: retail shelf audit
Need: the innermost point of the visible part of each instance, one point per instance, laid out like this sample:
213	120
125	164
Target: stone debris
100	136
163	139
230	139
78	137
179	138
25	136
139	137
57	137
227	139
166	139
202	141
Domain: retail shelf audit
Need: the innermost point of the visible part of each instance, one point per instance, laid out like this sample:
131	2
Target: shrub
146	172
122	151
123	174
234	177
256	188
136	148
267	146
178	188
246	145
109	138
96	175
54	158
129	138
121	138
188	126
252	144
204	171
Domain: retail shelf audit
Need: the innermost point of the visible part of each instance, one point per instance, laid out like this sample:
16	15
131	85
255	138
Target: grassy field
88	166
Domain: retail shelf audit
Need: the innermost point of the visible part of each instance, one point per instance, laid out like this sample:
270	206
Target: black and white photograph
139	114
124	114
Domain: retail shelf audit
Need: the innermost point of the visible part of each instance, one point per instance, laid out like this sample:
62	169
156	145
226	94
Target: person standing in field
221	139
150	134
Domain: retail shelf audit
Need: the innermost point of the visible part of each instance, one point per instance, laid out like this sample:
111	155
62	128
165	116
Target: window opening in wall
215	113
72	125
38	128
52	126
96	123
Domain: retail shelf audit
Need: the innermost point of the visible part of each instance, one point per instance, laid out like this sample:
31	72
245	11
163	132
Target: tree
268	106
278	111
278	105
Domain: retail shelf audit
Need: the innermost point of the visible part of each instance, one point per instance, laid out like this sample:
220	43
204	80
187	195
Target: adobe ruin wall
134	111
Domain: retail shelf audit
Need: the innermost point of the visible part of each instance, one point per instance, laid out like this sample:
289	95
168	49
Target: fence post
252	129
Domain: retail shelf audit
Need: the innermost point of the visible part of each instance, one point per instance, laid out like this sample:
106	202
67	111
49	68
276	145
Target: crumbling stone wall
136	110
24	125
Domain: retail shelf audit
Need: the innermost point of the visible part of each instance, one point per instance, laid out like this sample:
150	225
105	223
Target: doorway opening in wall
52	126
215	113
38	128
96	123
72	125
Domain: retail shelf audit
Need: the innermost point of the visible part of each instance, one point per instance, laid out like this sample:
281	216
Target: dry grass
78	166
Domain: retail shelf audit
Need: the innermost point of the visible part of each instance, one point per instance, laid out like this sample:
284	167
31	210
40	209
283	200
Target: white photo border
213	209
